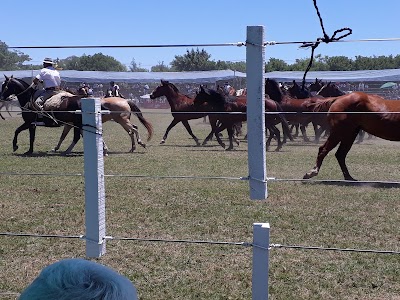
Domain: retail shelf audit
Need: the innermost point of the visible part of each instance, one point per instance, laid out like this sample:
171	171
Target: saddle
52	103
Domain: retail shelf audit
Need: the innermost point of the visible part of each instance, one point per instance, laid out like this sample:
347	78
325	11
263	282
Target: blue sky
153	22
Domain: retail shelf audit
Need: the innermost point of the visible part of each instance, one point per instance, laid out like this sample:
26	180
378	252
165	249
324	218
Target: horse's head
298	92
12	86
330	90
273	90
164	89
316	85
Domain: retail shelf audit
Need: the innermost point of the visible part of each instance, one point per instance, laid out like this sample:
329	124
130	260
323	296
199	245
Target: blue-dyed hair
78	279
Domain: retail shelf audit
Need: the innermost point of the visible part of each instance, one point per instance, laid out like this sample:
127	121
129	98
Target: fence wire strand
208	242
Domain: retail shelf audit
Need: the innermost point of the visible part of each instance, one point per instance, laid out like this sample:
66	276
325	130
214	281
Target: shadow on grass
374	184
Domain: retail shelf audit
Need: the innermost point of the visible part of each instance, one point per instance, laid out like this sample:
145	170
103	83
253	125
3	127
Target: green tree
12	60
160	67
237	66
96	62
275	64
339	63
134	67
193	60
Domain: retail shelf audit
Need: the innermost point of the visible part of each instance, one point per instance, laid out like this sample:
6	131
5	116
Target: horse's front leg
189	130
23	127
173	123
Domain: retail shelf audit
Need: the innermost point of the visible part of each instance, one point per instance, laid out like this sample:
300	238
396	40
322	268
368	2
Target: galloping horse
63	115
218	102
350	113
121	110
298	110
20	89
182	108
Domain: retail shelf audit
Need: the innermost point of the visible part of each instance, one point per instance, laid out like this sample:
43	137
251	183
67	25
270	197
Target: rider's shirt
50	77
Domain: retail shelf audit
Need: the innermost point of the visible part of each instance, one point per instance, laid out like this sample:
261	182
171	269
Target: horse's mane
20	82
217	97
176	90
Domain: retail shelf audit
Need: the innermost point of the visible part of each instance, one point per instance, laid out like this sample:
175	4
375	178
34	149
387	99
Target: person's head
48	62
79	279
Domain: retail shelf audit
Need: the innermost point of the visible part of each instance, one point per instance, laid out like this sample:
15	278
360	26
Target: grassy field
327	215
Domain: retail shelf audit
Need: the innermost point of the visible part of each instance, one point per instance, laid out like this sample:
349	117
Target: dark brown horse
120	111
182	108
13	87
350	113
231	110
297	110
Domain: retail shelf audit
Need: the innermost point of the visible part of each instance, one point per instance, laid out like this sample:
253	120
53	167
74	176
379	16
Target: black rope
326	39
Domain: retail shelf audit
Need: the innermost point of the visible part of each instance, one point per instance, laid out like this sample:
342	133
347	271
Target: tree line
197	60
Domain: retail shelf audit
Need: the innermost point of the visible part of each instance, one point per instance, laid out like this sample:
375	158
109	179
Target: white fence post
260	261
94	178
255	60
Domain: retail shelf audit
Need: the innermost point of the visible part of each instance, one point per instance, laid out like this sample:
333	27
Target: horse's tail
136	110
285	125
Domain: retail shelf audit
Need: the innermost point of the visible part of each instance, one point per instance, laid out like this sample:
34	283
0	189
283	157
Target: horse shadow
373	184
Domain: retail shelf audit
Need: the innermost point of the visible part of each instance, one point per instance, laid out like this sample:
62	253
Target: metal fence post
260	261
94	178
255	59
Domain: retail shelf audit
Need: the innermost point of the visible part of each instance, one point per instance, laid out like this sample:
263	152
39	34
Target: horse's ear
5	76
201	88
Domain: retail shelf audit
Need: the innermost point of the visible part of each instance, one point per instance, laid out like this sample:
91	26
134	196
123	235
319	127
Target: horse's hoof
15	148
162	142
198	143
204	143
28	153
309	175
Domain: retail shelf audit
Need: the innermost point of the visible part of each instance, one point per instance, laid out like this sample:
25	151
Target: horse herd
341	117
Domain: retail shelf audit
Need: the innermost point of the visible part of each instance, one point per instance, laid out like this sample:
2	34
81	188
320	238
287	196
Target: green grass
328	215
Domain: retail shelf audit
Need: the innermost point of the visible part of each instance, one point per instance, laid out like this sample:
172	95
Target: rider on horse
51	80
113	91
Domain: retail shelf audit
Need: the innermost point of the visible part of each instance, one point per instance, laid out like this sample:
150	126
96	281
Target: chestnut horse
234	109
182	108
350	113
120	111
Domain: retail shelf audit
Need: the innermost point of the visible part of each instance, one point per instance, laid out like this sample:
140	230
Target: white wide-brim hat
48	60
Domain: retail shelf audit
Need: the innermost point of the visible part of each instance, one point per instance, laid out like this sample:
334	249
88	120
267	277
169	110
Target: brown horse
120	111
231	110
182	108
350	113
297	110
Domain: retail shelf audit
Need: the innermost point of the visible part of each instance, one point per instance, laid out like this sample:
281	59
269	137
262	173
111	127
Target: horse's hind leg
333	140
64	134
342	151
